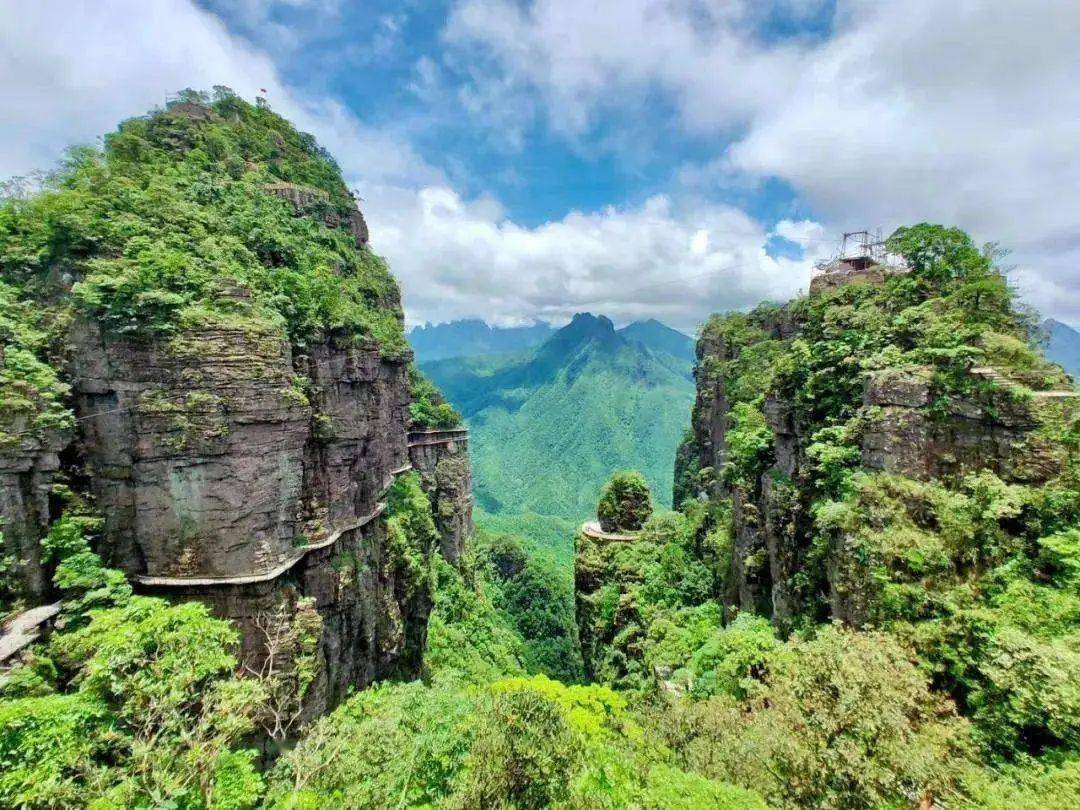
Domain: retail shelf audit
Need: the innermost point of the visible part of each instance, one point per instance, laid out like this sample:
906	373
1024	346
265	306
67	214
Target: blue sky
369	56
524	159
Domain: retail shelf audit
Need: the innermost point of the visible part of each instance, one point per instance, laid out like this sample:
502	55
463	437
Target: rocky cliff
238	380
441	456
812	418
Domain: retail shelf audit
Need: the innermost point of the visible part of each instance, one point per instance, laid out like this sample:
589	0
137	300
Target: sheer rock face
232	470
989	430
442	459
904	431
27	473
195	450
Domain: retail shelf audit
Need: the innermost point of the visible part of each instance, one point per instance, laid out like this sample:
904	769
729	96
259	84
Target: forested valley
239	567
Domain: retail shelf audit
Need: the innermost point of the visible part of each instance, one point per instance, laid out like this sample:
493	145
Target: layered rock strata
905	428
441	457
231	470
240	420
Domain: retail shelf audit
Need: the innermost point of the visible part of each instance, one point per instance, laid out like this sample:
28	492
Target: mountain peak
1063	345
585	327
659	337
586	320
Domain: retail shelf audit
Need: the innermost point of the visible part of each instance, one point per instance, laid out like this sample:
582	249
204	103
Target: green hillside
550	425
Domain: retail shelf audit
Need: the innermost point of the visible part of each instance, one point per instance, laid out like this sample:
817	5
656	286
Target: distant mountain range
551	423
471	337
1063	346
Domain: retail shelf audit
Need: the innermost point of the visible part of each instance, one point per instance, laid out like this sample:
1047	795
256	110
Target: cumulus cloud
964	112
659	259
584	57
71	71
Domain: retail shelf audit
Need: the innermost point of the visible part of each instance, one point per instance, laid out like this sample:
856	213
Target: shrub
735	659
625	503
844	720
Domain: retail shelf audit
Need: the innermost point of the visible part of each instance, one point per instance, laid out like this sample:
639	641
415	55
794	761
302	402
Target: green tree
938	253
844	720
625	502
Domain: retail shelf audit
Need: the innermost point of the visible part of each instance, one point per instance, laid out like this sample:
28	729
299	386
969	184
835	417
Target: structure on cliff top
862	259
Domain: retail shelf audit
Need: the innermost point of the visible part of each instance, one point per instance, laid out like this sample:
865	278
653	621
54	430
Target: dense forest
867	595
549	424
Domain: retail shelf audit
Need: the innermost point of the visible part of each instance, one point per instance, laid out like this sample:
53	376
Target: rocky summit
236	418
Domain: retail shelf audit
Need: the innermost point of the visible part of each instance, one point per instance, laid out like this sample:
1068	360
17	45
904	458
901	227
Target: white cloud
587	56
71	71
659	259
965	112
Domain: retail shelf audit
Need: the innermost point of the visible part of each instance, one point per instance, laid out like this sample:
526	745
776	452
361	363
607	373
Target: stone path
265	576
995	376
591	528
23	630
433	436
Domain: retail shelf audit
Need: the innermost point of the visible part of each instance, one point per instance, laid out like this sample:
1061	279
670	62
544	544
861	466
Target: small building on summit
865	262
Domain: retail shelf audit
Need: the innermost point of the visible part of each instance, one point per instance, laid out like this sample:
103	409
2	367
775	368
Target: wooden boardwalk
592	530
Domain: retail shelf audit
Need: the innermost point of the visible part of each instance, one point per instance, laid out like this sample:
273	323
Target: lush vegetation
549	426
32	395
175	221
136	702
534	590
924	648
428	409
516	742
625	502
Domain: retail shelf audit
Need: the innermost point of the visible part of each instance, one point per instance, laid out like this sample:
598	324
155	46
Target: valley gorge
240	569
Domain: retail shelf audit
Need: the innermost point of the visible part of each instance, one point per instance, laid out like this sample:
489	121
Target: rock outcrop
601	612
441	456
222	478
27	473
908	425
238	427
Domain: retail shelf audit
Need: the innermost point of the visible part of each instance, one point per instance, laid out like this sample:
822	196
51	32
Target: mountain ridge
1063	345
473	336
551	424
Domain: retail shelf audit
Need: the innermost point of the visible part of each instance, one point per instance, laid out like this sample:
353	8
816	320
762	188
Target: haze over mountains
1063	346
473	336
551	423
